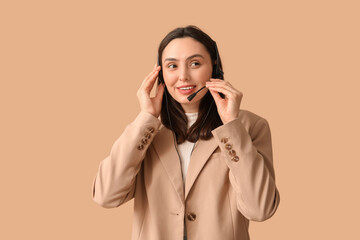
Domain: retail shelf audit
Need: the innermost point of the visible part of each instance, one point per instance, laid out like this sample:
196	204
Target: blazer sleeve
114	183
249	158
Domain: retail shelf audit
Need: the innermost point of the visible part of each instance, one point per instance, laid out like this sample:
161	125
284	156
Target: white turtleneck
186	147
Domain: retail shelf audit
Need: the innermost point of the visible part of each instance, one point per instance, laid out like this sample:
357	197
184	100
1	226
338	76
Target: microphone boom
190	97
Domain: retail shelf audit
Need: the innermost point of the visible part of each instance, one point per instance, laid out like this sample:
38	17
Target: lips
186	89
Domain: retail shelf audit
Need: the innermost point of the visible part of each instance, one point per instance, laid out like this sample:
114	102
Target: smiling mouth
187	88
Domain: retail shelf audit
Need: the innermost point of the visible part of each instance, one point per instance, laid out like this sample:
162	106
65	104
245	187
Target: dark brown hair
208	116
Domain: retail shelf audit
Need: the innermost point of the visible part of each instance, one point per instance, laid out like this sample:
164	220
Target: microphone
190	97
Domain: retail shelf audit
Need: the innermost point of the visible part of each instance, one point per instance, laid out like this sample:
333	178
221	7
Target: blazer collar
164	146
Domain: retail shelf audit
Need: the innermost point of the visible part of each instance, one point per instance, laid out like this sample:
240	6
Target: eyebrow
192	56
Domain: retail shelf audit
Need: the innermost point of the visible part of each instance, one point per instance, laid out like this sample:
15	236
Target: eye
195	64
172	65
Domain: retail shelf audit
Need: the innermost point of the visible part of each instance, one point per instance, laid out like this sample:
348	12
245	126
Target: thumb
159	92
216	97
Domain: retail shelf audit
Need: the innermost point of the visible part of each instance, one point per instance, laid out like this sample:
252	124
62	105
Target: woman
204	169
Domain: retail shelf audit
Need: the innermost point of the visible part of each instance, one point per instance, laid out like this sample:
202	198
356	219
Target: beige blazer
230	180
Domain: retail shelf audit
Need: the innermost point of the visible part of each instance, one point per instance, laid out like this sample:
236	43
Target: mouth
186	90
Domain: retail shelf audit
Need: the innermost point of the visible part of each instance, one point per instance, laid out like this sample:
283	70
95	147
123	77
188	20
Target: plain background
69	74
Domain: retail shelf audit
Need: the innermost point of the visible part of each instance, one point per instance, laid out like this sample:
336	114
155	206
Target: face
186	66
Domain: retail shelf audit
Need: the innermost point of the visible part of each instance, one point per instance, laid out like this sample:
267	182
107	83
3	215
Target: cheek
169	78
203	75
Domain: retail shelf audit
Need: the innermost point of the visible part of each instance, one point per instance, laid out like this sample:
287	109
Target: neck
190	108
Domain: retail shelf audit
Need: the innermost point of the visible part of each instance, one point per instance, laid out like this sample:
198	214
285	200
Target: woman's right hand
148	104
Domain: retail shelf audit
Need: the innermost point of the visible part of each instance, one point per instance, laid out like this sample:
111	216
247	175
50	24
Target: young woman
199	168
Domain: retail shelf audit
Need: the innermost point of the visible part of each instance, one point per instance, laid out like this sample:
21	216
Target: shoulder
250	119
252	122
247	115
248	122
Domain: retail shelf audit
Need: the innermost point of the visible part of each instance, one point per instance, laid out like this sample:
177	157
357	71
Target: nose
184	74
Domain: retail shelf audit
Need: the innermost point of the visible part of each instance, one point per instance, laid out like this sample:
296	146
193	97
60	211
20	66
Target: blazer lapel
202	152
164	146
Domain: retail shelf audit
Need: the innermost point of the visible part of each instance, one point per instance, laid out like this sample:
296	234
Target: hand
148	104
228	108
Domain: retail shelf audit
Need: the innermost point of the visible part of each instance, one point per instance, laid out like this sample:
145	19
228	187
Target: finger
151	73
149	82
155	69
216	80
227	91
226	85
159	92
216	96
219	102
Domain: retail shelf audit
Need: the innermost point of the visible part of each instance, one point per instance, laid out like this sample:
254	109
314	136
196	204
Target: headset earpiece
217	72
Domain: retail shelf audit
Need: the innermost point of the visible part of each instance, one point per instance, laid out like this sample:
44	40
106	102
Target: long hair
173	110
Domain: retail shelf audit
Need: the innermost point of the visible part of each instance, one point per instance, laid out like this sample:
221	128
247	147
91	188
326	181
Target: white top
186	147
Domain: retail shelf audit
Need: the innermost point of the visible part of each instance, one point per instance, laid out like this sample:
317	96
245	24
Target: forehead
183	47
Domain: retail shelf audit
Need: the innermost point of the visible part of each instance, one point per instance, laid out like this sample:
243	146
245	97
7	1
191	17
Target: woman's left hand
228	108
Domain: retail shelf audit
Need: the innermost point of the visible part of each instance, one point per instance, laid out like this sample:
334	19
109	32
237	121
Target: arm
114	183
251	167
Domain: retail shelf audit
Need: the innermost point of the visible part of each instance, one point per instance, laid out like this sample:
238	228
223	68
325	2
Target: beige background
69	74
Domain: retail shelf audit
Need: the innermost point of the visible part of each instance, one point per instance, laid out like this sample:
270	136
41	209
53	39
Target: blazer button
140	147
235	159
224	140
147	135
232	153
191	216
228	146
144	141
151	130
